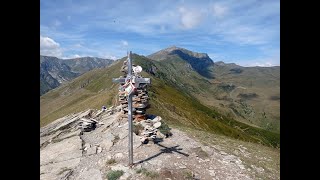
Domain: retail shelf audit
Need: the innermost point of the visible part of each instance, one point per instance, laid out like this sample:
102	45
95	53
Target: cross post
134	81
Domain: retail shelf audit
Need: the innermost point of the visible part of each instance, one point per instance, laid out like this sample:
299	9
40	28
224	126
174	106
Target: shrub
113	175
147	173
188	175
116	139
164	129
111	161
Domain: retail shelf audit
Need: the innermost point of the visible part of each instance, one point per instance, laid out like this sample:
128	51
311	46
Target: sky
245	32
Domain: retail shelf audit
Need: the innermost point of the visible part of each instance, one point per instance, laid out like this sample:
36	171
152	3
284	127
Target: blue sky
245	32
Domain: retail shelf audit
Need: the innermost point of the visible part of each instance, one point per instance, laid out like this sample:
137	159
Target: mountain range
54	71
188	89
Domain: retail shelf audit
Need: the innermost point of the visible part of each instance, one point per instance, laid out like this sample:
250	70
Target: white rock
157	124
92	150
212	173
158	118
91	174
99	149
119	156
69	148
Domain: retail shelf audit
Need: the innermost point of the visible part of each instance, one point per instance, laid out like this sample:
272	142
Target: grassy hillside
248	94
170	100
90	90
55	71
178	106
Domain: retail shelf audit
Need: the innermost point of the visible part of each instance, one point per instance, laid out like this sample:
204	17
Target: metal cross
136	81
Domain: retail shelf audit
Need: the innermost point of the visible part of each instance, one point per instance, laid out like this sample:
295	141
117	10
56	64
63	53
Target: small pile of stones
150	131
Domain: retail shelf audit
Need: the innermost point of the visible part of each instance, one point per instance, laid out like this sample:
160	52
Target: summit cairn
133	97
140	103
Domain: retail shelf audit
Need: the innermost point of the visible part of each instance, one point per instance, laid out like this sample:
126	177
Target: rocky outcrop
67	151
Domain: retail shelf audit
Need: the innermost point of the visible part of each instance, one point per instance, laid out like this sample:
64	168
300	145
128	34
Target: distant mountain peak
174	50
200	62
220	63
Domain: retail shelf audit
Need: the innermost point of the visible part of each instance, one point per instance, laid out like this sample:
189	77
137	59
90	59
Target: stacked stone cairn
139	106
150	131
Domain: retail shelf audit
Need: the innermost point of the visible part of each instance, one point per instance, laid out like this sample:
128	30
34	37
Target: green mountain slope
54	71
172	100
247	94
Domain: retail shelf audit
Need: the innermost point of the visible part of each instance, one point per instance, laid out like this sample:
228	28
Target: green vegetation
188	175
190	112
113	175
173	97
164	129
226	87
116	139
70	97
111	161
148	173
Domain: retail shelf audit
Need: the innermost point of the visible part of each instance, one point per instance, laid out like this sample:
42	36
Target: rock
106	144
212	172
87	125
58	170
92	150
91	174
160	135
118	155
223	153
144	140
157	124
86	146
127	171
66	149
99	149
145	123
65	136
156	119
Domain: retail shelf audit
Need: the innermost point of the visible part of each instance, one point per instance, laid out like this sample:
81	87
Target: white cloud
111	57
262	64
267	62
71	56
190	18
49	47
124	43
215	24
218	10
76	56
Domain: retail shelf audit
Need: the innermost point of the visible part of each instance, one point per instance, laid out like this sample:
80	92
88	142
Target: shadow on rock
164	150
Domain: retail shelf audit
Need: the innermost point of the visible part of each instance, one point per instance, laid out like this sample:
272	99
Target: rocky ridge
73	148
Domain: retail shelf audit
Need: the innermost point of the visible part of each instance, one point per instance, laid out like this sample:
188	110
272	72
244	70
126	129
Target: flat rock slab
58	170
66	149
90	174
